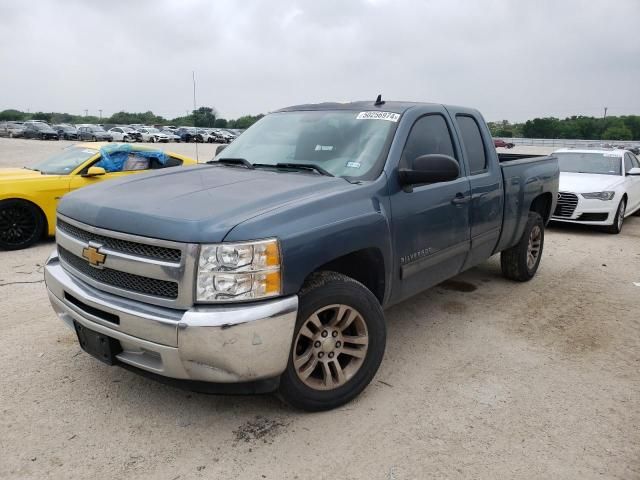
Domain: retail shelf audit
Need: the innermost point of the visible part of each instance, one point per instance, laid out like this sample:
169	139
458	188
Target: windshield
597	163
97	129
344	143
66	161
152	130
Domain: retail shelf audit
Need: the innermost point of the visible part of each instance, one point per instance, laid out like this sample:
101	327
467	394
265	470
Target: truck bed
524	177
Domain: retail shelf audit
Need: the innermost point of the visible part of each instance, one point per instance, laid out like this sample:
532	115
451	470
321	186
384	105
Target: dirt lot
483	378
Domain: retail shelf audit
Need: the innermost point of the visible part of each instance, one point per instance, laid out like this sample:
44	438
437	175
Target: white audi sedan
597	187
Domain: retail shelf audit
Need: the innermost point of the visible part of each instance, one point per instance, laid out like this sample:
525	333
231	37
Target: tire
94	139
43	137
153	139
125	139
618	220
21	224
322	299
516	262
10	135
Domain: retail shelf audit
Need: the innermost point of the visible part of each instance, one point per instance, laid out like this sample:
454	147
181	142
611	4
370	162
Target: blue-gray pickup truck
268	269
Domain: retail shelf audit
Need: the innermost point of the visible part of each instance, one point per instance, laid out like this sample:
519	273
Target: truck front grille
567	203
122	280
124	246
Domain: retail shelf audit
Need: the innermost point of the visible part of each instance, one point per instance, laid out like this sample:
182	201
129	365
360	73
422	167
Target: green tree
12	114
205	117
617	132
220	123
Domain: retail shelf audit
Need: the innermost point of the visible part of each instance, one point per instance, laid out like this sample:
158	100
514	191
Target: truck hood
12	174
588	182
198	204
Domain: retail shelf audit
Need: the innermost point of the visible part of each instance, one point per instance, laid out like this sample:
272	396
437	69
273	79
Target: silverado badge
93	255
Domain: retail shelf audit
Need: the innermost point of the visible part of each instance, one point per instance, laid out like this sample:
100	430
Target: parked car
173	137
39	130
635	149
125	134
28	196
278	258
94	133
597	187
66	132
191	134
497	142
11	129
153	135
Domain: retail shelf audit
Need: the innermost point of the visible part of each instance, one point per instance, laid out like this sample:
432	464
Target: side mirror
430	169
95	172
634	171
220	148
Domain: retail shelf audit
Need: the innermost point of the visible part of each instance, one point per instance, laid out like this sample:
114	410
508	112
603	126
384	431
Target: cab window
474	147
429	135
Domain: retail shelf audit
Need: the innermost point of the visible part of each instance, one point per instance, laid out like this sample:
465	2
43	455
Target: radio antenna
193	75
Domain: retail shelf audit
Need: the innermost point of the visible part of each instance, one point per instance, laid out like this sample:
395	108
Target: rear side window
628	164
473	145
430	134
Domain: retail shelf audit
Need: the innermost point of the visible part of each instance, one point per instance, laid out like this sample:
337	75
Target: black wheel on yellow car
21	224
338	343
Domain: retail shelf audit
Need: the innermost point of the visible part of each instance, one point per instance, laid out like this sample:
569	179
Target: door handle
460	199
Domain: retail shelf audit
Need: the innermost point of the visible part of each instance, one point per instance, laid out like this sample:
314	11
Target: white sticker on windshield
389	116
353	164
324	148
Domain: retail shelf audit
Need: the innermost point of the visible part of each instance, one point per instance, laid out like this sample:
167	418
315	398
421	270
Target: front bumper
591	211
222	344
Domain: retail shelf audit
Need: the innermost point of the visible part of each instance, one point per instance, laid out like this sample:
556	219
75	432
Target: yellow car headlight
229	272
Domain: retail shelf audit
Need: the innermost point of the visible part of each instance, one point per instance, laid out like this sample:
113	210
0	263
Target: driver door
82	179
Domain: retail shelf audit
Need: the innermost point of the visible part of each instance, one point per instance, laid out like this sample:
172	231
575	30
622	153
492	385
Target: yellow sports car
29	195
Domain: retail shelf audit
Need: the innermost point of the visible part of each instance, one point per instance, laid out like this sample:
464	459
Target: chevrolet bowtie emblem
93	255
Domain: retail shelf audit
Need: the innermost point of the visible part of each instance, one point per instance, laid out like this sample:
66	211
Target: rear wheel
21	224
338	343
618	220
94	139
521	261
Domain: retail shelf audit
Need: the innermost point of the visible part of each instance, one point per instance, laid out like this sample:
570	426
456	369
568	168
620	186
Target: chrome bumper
221	344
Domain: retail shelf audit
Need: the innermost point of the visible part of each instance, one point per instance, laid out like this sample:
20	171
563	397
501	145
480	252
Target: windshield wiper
243	162
303	166
34	169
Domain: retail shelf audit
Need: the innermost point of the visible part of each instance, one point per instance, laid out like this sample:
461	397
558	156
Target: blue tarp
113	157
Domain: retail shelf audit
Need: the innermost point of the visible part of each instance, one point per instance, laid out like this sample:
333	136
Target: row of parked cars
118	133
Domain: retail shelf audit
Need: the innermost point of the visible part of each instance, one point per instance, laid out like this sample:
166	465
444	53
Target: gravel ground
482	378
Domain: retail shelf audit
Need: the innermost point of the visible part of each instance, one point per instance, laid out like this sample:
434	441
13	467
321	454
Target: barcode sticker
389	116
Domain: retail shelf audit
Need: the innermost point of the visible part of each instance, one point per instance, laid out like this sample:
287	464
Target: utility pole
605	113
100	115
86	112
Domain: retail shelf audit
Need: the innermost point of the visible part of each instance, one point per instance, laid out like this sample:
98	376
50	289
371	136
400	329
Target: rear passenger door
430	221
485	180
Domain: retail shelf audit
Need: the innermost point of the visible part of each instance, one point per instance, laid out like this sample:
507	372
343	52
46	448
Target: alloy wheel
330	347
533	248
17	225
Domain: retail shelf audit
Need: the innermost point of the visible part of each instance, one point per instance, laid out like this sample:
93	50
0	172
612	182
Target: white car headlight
599	195
230	272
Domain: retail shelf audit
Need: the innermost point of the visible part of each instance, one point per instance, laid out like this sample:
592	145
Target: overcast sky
511	59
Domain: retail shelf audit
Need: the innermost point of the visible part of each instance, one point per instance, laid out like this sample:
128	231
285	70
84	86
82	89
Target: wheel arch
365	265
542	205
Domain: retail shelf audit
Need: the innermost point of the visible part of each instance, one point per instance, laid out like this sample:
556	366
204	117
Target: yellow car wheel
21	224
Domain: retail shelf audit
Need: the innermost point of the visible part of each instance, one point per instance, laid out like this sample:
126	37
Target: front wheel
521	261
94	139
616	227
21	224
338	343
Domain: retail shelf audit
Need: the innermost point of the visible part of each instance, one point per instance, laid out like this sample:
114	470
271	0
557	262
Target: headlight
238	271
599	195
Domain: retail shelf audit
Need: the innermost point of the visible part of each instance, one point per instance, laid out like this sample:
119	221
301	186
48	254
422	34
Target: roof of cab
387	106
